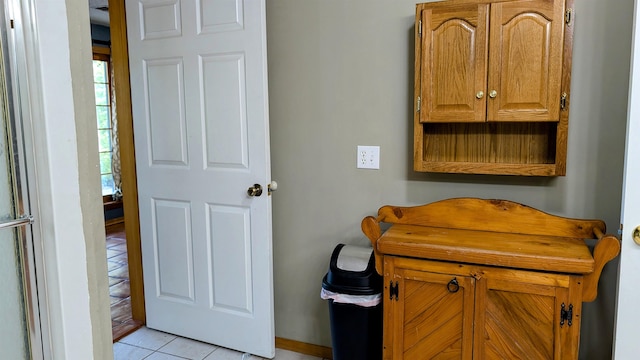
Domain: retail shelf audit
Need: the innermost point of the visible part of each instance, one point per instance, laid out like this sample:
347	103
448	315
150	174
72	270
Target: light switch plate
368	157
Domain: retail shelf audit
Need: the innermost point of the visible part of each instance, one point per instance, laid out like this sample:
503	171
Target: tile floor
121	322
150	344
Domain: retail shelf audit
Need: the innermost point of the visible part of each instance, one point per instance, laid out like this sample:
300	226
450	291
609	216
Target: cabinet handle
493	94
479	94
453	286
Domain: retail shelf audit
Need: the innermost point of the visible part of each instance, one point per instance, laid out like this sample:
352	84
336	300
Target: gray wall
341	75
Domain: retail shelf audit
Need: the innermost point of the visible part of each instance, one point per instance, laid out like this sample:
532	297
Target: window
101	81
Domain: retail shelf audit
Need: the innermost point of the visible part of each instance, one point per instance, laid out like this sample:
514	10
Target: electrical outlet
368	157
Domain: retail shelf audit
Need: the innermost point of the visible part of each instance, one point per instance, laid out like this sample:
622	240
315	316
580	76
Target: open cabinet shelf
491	148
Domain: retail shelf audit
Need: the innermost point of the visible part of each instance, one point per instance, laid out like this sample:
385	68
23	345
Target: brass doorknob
636	235
493	94
479	94
255	190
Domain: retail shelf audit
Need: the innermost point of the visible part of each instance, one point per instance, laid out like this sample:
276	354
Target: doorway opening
122	241
110	175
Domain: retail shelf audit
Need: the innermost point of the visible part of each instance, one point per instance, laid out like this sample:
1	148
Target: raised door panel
432	318
454	62
525	60
165	113
518	314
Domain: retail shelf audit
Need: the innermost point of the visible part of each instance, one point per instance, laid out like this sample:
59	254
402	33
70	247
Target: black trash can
354	291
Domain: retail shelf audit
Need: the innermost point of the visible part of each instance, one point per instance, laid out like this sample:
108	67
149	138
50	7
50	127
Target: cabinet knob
493	94
479	94
636	235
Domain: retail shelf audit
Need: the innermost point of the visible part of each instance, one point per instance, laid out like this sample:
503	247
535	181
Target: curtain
115	142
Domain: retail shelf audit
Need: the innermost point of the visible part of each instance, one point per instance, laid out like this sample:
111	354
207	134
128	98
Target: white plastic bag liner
353	258
360	300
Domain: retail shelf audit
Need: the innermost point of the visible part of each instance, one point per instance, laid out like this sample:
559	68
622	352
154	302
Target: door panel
164	89
525	43
173	250
221	16
520	315
199	95
224	95
512	315
229	230
435	321
453	76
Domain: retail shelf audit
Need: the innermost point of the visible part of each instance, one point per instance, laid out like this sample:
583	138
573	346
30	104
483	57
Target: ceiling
99	12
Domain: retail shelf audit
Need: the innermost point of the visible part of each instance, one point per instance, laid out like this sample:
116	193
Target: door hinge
418	104
566	315
563	101
568	16
393	290
420	28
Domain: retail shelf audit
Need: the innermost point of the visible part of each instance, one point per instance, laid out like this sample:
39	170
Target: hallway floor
121	322
150	344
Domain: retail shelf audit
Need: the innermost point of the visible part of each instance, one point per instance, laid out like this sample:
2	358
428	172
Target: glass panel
99	71
104	119
103	115
102	94
107	184
105	162
104	141
14	338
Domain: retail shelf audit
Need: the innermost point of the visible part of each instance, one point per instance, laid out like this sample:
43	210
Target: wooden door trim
120	58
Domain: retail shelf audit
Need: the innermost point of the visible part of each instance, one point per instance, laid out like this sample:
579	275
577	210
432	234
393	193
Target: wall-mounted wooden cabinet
492	86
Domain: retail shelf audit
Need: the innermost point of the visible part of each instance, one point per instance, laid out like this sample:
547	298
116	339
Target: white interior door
626	344
199	94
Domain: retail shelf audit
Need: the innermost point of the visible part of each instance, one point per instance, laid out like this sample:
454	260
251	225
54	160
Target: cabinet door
525	60
518	316
453	62
432	317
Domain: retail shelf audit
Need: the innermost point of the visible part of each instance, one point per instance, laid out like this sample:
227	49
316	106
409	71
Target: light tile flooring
150	344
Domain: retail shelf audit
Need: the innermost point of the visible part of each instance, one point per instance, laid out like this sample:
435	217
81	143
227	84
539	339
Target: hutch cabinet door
525	60
432	315
454	62
519	315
